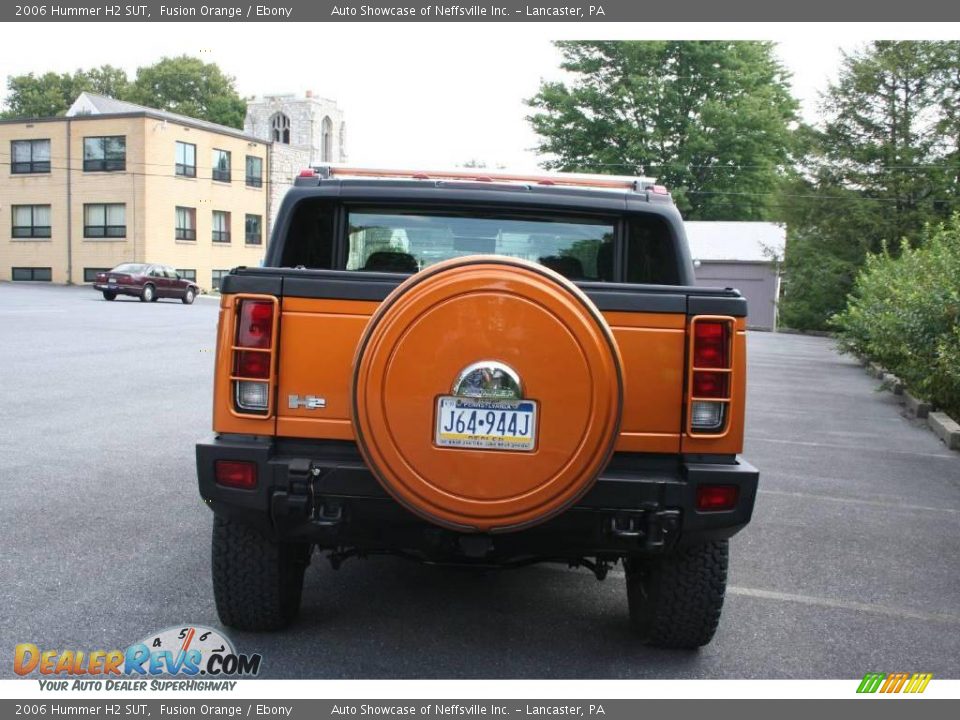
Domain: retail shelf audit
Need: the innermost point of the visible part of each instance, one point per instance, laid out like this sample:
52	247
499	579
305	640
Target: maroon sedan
149	282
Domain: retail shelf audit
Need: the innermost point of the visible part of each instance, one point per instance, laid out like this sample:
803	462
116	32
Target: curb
915	407
892	383
942	425
945	428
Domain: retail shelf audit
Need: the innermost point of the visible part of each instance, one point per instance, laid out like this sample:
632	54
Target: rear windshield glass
580	249
129	268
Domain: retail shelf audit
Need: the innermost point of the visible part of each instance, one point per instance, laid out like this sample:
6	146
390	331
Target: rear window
129	268
409	242
405	240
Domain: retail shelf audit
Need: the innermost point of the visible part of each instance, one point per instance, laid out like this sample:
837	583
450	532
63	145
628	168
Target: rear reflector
717	497
236	474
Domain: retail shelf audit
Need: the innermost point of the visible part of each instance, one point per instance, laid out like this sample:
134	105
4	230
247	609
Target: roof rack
609	182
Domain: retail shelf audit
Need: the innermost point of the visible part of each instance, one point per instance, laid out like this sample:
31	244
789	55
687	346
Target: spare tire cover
473	314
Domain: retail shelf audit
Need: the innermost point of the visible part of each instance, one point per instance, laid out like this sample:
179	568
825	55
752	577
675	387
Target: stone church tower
303	131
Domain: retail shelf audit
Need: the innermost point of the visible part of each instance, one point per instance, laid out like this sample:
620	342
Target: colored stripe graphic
918	683
894	682
870	683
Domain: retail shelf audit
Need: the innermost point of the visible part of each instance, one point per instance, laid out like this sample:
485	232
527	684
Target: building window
105	154
186	159
221	226
216	276
280	128
187	274
42	274
254	171
221	165
29	156
326	140
105	221
30	221
254	230
186	223
90	274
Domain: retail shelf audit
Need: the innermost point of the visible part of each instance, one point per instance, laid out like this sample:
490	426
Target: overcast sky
432	94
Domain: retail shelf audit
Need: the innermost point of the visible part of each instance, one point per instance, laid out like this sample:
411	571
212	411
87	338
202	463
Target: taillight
710	344
255	327
236	474
251	364
252	360
711	367
717	497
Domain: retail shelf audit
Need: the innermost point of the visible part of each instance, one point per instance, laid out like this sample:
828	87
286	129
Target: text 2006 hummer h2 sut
481	370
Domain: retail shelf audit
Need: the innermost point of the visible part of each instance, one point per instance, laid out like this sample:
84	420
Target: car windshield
578	248
130	268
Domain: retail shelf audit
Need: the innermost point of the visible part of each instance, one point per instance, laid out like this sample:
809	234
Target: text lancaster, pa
476	11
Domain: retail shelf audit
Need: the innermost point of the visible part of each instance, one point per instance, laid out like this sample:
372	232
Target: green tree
51	94
878	169
711	120
191	87
182	85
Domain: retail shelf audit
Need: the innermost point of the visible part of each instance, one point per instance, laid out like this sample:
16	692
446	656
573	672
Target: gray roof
88	103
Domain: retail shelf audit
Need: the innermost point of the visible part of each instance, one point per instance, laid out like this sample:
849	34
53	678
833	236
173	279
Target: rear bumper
322	492
119	289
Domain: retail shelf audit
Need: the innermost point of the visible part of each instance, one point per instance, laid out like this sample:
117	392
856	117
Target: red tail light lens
252	364
236	474
255	328
710	385
710	345
717	497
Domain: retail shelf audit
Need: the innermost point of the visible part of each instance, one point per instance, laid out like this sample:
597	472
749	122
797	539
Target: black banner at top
483	11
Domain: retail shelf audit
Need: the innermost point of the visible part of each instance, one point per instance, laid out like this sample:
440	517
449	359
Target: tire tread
257	581
676	601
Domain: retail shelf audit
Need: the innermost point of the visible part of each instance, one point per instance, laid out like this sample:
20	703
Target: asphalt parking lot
851	564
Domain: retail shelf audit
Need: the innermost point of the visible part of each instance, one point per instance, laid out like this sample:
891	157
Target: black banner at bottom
875	708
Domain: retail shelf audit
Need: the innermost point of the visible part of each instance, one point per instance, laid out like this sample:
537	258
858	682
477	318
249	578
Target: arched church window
280	128
326	140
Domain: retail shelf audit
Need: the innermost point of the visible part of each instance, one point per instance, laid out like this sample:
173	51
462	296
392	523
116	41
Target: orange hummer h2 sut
484	370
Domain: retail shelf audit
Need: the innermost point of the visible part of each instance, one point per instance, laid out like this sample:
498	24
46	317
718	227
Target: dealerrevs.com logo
189	652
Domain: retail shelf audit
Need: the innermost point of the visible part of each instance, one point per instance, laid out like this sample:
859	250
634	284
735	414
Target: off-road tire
148	294
188	296
257	581
108	295
675	600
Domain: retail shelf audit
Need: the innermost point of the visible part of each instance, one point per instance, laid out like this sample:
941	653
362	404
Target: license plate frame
478	432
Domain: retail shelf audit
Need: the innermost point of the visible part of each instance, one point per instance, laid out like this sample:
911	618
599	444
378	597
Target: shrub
904	312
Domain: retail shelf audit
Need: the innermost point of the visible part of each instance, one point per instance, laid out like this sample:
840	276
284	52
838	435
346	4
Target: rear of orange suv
487	371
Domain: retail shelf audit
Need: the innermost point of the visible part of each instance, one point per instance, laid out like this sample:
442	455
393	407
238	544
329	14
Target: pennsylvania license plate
486	424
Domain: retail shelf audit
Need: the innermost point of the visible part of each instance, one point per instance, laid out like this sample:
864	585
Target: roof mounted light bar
609	182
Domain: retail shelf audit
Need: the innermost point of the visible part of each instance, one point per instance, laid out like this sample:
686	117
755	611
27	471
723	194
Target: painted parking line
811	600
857	501
902	613
751	438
